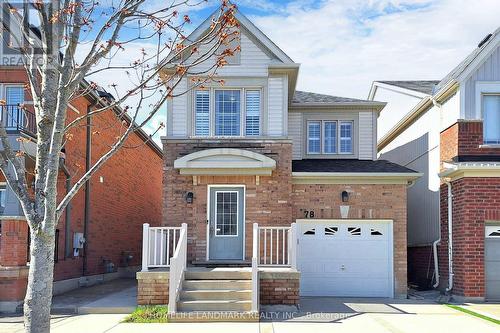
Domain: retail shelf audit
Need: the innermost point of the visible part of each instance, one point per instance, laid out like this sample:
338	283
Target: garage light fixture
345	196
189	197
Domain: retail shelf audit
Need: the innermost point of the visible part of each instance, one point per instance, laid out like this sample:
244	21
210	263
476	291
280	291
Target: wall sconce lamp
189	197
345	196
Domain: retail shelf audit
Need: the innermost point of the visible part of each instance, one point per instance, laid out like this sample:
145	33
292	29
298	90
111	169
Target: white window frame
484	119
352	137
485	88
320	137
211	119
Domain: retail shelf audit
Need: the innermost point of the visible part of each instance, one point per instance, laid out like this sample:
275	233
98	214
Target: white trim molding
484	87
456	171
354	177
225	161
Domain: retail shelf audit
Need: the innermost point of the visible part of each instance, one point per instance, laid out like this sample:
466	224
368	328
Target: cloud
344	45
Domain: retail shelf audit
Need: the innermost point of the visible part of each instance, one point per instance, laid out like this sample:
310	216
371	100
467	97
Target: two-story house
281	180
450	130
98	236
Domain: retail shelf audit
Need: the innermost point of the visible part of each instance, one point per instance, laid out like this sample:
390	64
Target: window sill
490	146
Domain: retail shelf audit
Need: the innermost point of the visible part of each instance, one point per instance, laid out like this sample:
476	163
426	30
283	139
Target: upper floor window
329	137
491	118
3	193
234	112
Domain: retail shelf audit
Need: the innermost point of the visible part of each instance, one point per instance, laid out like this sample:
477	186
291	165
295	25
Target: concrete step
226	294
217	284
216	316
218	275
211	305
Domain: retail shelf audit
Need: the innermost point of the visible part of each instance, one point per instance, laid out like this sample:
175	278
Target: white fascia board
400	90
472	169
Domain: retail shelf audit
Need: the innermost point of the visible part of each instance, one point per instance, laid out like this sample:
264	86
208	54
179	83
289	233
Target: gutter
67	211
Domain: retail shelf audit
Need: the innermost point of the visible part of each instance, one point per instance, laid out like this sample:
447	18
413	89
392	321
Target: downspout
437	241
88	155
67	212
450	237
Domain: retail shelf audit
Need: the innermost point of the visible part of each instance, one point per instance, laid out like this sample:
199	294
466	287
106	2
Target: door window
226	214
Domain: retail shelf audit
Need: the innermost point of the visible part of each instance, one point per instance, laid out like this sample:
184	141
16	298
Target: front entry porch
168	278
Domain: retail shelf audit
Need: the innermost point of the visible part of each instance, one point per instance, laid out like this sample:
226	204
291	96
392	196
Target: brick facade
267	203
124	194
279	288
475	200
375	201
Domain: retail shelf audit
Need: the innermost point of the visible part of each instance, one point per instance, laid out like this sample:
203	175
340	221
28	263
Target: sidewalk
491	310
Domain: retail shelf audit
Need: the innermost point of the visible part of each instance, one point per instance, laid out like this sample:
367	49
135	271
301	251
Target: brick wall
279	288
152	288
366	202
463	141
475	200
267	203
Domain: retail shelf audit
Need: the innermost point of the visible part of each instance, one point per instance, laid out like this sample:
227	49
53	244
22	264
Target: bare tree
62	44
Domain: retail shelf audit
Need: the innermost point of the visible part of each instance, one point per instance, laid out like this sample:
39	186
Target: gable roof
348	165
422	86
467	63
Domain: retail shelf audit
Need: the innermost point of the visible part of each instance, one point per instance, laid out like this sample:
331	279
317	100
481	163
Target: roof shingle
423	86
348	165
304	97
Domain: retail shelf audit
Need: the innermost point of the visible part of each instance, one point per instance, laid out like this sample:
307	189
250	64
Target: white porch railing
178	264
158	245
255	268
277	246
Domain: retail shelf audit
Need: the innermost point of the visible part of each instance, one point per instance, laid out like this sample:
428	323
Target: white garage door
345	258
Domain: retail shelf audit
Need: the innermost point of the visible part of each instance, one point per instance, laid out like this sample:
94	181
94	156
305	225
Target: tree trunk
38	298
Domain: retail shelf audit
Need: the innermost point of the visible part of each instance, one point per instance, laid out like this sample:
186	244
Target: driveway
318	314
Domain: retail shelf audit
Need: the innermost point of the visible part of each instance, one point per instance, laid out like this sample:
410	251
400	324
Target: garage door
492	262
345	258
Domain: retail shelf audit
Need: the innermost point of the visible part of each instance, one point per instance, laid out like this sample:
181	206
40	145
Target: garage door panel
345	258
492	268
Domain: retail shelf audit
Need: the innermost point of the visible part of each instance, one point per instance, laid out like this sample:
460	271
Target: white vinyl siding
202	113
252	106
179	110
313	137
367	123
295	133
329	137
345	137
276	107
491	119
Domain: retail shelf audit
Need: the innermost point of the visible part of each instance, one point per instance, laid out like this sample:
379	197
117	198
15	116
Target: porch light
189	197
345	196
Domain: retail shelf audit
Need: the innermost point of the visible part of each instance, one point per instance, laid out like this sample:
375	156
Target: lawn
148	314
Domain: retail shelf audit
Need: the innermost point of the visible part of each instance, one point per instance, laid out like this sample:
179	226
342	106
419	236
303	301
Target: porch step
213	316
217	285
227	294
218	274
222	263
214	305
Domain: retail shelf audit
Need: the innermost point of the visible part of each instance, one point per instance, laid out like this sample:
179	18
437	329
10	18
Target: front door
226	225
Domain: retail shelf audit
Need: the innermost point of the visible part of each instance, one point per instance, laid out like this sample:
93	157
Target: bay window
227	112
491	118
329	137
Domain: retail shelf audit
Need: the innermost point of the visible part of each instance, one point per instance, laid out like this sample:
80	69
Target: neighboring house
279	179
108	212
450	131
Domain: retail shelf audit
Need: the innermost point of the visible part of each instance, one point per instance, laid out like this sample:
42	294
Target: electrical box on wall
78	241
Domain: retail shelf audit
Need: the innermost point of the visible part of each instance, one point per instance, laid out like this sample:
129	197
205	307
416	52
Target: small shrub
148	314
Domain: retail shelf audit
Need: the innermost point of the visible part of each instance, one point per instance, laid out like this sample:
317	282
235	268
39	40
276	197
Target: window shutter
202	118
253	112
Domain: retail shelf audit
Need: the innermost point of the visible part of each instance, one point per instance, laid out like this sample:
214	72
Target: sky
344	45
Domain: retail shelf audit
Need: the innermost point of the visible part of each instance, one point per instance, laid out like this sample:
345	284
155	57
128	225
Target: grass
148	314
475	314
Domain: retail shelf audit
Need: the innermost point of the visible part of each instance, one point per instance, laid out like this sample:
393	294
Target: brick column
13	268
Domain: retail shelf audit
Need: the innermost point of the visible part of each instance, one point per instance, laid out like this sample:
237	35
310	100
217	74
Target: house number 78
309	214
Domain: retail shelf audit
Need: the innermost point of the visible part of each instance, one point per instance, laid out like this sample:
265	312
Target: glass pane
227	214
202	104
491	124
314	135
330	137
227	112
253	112
346	137
13	97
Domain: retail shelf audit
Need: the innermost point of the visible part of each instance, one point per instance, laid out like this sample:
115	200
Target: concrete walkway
113	297
357	315
491	310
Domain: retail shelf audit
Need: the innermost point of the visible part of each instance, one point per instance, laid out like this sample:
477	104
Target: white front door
351	258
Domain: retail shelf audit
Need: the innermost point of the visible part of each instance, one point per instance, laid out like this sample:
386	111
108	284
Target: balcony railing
17	119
